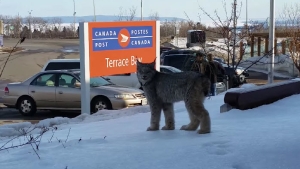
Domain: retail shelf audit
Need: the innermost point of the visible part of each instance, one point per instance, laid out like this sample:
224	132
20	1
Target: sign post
108	48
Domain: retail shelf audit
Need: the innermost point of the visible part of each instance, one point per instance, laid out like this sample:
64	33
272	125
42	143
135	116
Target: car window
66	80
198	37
164	70
44	80
63	65
97	81
180	61
175	69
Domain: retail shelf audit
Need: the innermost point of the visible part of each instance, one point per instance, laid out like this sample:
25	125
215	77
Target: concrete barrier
260	95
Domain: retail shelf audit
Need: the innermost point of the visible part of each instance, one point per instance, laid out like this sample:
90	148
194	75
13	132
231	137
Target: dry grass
9	49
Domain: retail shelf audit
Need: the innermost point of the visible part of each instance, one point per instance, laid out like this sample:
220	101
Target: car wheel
242	79
100	103
26	106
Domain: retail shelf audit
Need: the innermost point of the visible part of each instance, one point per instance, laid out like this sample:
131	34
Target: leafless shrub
127	15
25	137
291	18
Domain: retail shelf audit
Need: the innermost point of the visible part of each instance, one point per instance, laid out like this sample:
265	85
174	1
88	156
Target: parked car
239	71
125	79
175	51
61	64
184	62
60	90
162	49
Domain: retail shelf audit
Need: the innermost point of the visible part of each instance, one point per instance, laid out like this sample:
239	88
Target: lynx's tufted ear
137	60
153	63
154	60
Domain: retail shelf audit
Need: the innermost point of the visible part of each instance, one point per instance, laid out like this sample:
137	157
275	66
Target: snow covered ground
262	138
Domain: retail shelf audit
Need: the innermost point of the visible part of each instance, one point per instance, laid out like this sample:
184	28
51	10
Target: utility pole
19	26
30	33
234	32
247	17
74	13
94	11
271	41
141	10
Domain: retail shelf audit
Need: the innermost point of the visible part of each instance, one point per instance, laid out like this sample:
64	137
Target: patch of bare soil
9	49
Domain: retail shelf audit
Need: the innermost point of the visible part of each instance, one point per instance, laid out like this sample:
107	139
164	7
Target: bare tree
7	21
132	13
56	22
126	15
42	24
121	14
56	26
154	16
291	19
16	25
226	29
167	28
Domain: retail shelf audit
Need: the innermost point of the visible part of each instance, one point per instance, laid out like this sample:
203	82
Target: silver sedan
60	90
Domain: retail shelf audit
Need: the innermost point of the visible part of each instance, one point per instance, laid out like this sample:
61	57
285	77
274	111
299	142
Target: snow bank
248	85
15	129
244	86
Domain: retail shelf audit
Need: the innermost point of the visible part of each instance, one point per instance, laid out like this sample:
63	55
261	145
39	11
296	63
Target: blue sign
118	38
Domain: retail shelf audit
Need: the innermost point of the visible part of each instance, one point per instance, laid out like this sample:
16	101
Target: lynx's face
145	71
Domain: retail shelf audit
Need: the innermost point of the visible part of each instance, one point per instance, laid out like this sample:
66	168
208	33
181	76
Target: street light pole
271	41
247	17
234	33
30	33
141	10
74	13
94	10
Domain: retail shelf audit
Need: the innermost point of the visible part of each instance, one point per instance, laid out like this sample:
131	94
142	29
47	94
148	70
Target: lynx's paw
203	131
188	127
168	128
152	128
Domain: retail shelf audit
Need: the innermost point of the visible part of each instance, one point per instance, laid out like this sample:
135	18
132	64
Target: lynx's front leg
155	116
168	109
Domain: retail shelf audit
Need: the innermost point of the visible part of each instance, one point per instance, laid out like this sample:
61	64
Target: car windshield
175	70
97	81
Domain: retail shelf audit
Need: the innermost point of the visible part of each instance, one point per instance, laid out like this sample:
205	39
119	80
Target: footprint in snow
217	147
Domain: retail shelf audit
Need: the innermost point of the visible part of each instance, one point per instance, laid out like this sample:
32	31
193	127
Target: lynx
162	90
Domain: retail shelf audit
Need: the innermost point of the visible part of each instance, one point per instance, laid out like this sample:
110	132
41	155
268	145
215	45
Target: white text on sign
112	63
101	44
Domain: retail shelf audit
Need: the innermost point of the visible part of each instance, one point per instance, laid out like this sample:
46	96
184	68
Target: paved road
12	115
8	115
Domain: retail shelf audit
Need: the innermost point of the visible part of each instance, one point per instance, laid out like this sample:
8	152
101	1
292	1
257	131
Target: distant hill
70	19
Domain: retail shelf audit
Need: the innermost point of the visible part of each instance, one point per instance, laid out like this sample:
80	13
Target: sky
166	8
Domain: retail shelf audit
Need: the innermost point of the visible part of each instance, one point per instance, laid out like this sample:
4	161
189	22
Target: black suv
176	51
184	60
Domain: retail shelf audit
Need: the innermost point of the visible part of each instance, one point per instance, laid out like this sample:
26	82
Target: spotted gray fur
162	90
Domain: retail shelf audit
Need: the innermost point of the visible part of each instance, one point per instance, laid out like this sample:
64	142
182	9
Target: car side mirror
107	78
77	84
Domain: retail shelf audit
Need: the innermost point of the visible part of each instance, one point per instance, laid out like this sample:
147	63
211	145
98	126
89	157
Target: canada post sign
117	38
113	47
